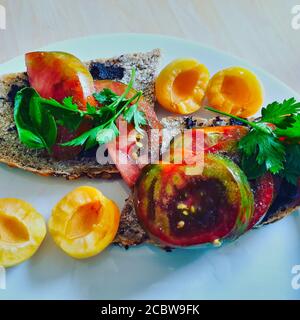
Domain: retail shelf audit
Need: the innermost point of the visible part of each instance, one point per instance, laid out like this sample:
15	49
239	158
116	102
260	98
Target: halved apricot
180	86
22	230
84	222
235	90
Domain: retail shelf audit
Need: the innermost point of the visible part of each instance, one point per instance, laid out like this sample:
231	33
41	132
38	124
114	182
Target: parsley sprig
37	119
272	143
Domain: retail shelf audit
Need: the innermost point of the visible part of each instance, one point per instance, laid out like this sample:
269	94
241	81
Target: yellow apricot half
22	230
84	222
235	90
180	86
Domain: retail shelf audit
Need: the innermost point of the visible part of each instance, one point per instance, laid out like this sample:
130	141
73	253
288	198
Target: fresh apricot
84	222
235	90
180	86
22	230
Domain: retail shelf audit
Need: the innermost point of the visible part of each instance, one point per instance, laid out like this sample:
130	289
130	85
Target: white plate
258	265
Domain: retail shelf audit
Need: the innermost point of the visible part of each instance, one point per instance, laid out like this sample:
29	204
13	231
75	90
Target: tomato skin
217	204
264	194
59	75
216	139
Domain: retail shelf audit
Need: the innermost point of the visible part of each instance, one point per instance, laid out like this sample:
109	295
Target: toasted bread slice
130	231
14	154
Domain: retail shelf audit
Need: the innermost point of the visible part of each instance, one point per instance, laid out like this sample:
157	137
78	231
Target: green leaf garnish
281	114
106	96
36	126
108	134
272	143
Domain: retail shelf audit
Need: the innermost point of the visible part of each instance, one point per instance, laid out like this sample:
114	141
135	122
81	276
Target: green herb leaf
107	134
30	139
49	129
293	132
68	103
291	171
266	148
82	139
91	110
273	142
281	114
128	114
133	115
36	126
250	166
106	96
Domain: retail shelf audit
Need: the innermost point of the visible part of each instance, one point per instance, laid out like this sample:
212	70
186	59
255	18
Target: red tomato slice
264	193
59	75
181	210
122	152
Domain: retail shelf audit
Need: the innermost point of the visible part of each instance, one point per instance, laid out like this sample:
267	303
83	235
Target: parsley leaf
107	134
293	132
291	171
106	96
68	103
281	114
266	148
273	143
133	115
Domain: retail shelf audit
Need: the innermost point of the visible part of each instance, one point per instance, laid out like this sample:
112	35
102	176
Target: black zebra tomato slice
179	209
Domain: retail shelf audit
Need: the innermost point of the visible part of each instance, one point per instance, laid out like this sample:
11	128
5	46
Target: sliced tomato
123	153
264	190
222	138
59	75
179	209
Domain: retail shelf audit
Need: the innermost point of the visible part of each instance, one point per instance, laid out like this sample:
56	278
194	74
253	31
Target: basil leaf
25	127
36	126
30	139
49	129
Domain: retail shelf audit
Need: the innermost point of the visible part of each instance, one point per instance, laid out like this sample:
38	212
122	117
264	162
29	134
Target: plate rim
163	37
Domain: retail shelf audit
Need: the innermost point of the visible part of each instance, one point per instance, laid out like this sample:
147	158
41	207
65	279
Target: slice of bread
130	231
14	154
